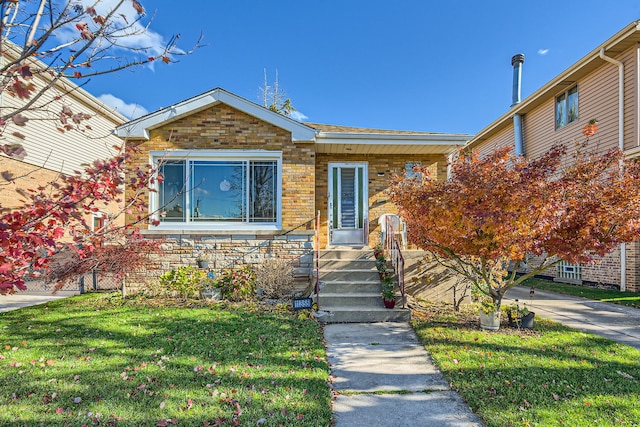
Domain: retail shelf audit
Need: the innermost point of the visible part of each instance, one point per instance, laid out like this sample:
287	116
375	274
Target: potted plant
202	262
489	314
383	271
388	294
378	250
520	317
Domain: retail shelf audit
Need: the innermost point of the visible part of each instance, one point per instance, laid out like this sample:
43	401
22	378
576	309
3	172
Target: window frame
188	156
565	105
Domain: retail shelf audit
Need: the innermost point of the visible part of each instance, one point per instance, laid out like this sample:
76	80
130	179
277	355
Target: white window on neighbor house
218	190
567	107
569	272
97	221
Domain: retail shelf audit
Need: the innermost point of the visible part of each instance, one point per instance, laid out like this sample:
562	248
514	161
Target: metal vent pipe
516	62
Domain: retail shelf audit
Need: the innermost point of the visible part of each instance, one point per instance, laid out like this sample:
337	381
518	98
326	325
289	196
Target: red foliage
497	209
31	235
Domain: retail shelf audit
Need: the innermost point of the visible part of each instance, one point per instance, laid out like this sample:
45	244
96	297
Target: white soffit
438	143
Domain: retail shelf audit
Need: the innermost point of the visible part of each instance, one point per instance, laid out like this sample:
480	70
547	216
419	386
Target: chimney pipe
516	62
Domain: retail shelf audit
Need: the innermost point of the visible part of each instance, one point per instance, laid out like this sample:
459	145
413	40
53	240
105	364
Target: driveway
616	322
29	298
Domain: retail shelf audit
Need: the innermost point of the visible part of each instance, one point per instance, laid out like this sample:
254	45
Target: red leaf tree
502	214
31	235
41	45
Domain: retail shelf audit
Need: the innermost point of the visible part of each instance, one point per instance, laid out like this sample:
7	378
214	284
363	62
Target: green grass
631	299
98	360
554	376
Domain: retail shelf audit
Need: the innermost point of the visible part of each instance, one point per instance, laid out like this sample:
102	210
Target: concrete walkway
616	322
384	377
29	298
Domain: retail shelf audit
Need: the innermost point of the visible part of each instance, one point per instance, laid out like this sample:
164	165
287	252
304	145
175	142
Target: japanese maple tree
32	235
501	214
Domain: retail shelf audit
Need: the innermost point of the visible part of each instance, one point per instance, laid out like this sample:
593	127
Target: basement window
567	107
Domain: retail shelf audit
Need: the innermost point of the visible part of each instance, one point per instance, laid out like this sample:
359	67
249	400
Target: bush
186	281
237	285
275	277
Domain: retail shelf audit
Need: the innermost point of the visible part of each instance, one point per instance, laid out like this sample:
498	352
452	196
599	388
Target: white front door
348	204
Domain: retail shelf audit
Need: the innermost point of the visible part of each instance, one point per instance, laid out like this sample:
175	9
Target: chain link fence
96	281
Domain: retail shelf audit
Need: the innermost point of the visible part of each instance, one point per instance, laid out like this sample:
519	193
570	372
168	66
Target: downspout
623	246
516	62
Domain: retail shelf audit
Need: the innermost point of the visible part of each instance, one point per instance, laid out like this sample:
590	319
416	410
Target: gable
140	128
219	127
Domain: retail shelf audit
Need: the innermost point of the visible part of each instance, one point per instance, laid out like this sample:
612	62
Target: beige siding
63	152
501	139
598	98
630	60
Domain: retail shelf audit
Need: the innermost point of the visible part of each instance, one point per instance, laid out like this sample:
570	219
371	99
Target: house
242	183
605	85
51	149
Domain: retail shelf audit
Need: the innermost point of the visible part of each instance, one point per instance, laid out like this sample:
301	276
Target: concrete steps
350	289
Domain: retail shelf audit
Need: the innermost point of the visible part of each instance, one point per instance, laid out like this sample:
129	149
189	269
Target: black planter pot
526	321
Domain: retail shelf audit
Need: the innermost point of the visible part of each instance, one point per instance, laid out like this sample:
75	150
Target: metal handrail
392	246
317	256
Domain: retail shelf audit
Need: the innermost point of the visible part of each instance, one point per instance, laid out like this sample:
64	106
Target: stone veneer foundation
226	251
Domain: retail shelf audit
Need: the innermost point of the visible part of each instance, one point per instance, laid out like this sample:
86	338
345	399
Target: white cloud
297	115
129	33
543	52
128	110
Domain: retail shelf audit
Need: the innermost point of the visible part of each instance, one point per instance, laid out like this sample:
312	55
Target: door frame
364	199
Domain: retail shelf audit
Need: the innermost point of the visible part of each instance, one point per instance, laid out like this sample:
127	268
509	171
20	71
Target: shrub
275	277
186	281
239	284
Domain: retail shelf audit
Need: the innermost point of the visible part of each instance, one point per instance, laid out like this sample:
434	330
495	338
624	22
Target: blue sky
406	65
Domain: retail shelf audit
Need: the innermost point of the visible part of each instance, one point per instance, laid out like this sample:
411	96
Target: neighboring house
51	150
242	183
603	85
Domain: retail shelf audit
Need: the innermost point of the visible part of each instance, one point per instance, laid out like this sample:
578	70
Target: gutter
620	65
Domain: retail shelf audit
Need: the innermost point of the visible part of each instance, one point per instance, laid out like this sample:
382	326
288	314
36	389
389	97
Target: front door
348	206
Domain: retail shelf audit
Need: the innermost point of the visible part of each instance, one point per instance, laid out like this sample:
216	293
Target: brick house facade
253	181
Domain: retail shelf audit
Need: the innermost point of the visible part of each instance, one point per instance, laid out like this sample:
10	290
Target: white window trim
215	155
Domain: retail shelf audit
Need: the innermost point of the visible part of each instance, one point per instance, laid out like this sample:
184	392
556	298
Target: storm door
348	203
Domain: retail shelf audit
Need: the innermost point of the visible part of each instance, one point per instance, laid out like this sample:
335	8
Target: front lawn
96	360
554	376
631	299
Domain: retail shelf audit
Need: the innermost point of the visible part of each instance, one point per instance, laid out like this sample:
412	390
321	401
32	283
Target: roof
335	139
14	52
140	127
328	138
621	41
350	129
